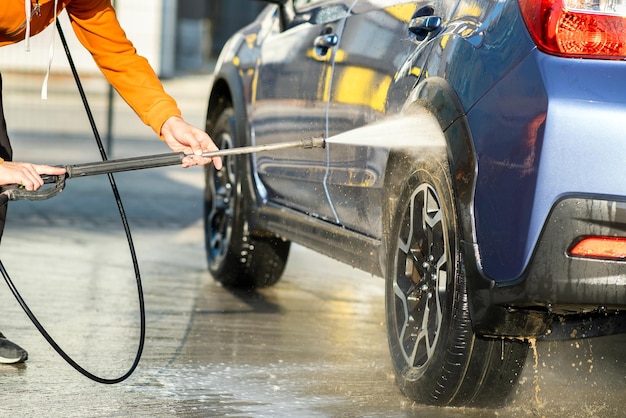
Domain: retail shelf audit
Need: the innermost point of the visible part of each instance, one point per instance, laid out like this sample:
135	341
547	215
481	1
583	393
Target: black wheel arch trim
227	91
435	96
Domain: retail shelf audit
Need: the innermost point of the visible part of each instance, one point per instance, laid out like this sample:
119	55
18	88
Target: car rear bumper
550	128
555	283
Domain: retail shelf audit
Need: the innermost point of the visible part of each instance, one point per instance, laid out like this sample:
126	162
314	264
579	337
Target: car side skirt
325	237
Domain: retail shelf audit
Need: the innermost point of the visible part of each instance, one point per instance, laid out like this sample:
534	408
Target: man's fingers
47	169
209	146
217	162
31	181
31	174
26	174
204	144
180	136
192	160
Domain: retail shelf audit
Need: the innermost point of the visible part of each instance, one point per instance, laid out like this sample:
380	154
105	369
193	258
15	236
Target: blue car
474	158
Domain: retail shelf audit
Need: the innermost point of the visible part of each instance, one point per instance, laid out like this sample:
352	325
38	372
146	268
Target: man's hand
182	137
26	174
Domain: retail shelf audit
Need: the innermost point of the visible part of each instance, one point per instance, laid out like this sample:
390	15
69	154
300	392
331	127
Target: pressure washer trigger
15	192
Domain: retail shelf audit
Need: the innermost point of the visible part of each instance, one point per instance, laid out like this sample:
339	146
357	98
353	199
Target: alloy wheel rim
421	277
222	206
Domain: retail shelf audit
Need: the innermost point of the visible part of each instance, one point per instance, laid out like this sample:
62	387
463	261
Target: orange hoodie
97	28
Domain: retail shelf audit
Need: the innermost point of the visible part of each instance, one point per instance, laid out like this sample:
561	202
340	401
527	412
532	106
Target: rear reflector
606	248
577	28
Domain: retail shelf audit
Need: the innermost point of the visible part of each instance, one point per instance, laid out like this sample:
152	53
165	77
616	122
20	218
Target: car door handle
323	42
422	25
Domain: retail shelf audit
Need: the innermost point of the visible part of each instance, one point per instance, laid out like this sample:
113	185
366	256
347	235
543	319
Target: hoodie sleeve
97	28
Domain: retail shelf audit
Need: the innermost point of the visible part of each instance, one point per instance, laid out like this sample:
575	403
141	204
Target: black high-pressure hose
124	220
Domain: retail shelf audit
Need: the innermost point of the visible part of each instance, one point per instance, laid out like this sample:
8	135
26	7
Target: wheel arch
434	99
227	91
434	103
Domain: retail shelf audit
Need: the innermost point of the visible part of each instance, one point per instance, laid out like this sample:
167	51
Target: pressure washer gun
14	192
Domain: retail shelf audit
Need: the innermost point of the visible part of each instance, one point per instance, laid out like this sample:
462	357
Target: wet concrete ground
313	345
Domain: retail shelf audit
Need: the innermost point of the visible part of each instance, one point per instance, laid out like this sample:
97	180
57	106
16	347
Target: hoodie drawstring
29	14
44	88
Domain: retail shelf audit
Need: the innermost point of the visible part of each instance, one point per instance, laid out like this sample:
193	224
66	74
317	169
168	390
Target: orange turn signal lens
606	248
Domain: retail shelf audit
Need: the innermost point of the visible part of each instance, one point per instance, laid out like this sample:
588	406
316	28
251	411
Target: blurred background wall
176	36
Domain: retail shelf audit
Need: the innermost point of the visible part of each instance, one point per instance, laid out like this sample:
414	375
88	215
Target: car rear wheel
437	358
236	256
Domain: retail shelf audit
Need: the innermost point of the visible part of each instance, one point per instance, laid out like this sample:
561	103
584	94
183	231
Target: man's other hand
182	137
26	174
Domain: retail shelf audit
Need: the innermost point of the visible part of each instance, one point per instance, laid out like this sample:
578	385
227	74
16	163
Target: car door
378	63
289	102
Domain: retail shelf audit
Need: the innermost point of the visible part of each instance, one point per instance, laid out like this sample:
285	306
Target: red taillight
577	28
607	248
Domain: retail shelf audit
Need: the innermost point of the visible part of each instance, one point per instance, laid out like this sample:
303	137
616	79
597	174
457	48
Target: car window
318	12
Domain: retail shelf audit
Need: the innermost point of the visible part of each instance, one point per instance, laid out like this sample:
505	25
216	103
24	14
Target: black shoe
11	353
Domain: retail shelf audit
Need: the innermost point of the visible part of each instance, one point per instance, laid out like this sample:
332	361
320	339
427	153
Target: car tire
437	358
236	257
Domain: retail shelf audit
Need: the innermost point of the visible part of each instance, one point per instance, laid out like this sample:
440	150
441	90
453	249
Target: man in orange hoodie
97	28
